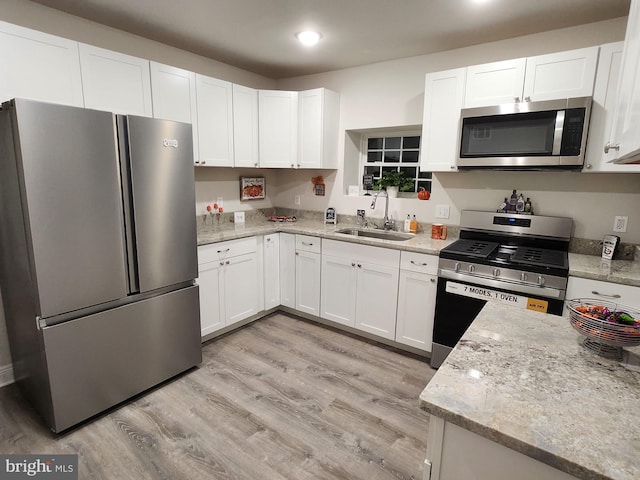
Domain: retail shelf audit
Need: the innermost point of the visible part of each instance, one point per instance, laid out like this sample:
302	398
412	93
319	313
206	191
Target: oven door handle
539	291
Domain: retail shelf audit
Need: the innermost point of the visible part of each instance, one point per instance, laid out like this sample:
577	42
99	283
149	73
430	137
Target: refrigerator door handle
127	199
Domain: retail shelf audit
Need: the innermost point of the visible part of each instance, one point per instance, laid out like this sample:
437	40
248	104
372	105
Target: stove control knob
456	266
540	280
472	268
496	272
523	277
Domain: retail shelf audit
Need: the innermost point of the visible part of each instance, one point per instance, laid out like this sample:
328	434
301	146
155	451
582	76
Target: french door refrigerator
97	255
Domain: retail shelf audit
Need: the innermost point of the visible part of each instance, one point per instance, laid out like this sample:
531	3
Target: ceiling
258	35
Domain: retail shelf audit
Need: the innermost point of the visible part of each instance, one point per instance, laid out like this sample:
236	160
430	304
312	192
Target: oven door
458	303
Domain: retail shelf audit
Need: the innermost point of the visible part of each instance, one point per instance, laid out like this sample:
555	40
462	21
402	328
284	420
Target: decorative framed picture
319	189
252	188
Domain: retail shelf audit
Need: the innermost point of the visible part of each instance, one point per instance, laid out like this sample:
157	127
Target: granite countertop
523	380
586	266
421	242
614	271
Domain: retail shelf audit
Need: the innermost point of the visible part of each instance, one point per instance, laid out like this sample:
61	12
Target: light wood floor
280	399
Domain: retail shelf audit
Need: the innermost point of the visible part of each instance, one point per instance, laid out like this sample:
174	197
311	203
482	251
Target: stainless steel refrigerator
97	255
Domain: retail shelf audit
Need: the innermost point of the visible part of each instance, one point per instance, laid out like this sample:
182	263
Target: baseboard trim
6	375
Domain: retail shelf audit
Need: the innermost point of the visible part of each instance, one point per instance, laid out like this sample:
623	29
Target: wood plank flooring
282	398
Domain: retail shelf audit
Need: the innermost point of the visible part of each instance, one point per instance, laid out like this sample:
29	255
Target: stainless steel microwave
528	135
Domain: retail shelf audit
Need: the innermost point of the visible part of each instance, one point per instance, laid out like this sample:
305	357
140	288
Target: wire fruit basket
607	326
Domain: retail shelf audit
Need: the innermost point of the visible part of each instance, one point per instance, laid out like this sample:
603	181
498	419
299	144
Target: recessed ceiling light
308	38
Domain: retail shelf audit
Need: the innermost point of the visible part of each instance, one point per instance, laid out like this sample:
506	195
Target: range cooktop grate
540	257
472	248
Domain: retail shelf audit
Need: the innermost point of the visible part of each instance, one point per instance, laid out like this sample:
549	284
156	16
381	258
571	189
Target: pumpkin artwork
423	194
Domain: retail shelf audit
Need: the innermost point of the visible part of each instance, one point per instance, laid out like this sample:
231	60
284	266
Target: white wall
391	94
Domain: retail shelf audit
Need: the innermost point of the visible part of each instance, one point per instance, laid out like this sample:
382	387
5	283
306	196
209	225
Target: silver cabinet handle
225	250
307	244
608	147
297	253
527	99
255	164
453	167
517	99
292	165
221	264
204	162
419	264
359	266
227	262
588	166
615	295
433	280
353	264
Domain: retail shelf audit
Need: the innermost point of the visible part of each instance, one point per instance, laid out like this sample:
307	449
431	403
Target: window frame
364	151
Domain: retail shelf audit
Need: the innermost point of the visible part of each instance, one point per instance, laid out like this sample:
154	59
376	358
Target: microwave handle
557	134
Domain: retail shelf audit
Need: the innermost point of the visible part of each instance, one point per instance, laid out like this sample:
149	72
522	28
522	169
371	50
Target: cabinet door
416	308
245	127
308	282
173	95
241	296
561	75
211	302
278	128
494	83
338	301
377	299
115	82
39	66
443	99
271	245
626	123
288	270
215	121
318	117
602	112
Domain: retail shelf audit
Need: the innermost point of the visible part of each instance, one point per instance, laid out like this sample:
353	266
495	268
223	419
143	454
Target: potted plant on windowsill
395	181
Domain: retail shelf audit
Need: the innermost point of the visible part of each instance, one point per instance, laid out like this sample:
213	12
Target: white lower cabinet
229	277
611	292
308	274
360	286
271	248
288	270
416	300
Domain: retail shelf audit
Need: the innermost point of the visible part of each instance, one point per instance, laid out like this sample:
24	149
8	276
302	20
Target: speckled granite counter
522	379
421	242
615	271
585	266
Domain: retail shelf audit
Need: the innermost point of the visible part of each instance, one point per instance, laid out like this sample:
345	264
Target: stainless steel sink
381	234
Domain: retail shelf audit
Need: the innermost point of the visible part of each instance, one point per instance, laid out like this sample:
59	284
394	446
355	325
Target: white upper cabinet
318	116
245	127
278	128
39	66
215	121
173	94
115	82
602	113
625	135
443	99
494	83
560	75
545	77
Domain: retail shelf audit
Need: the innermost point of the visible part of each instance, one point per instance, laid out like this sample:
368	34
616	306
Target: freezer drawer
100	360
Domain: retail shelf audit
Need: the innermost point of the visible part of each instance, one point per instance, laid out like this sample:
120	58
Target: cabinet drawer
362	253
613	292
419	263
230	248
307	243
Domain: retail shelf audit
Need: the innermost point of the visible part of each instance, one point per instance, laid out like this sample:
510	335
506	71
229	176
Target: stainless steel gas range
516	259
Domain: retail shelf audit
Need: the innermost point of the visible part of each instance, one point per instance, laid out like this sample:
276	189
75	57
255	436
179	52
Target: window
389	153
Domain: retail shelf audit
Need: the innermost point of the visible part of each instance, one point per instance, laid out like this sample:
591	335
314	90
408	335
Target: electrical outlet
442	211
296	200
620	224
